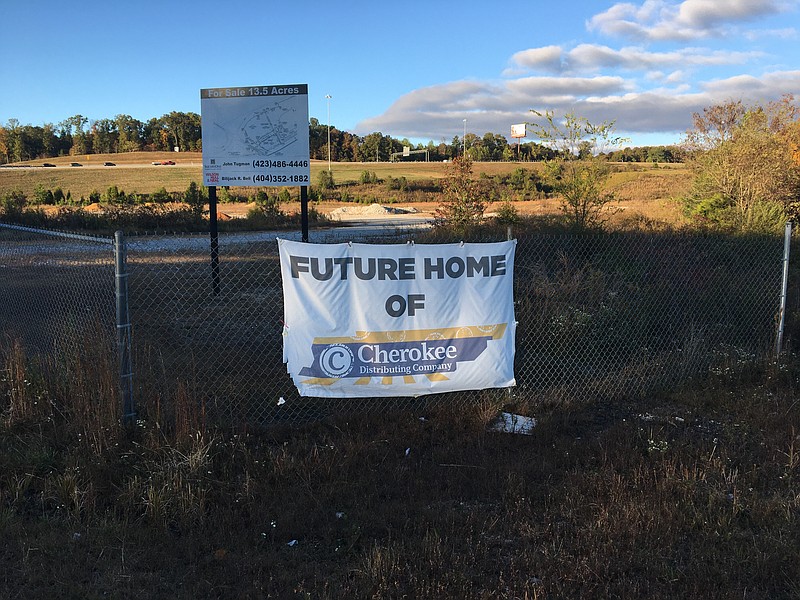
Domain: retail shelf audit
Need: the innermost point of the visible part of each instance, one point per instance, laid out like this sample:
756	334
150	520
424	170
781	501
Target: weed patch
687	494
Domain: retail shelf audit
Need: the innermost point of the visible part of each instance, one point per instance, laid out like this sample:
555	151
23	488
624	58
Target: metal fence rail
611	314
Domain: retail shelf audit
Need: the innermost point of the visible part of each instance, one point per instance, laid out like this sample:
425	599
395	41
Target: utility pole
328	98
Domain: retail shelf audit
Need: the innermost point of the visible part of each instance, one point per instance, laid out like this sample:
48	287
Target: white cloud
787	33
593	57
643	90
547	58
675	77
658	20
571	86
437	112
706	14
750	88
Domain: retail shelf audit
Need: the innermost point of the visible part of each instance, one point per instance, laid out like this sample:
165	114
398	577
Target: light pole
328	98
464	139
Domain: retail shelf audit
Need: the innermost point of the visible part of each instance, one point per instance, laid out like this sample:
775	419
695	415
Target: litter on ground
511	423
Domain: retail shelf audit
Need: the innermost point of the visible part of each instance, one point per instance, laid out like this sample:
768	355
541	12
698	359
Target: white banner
364	320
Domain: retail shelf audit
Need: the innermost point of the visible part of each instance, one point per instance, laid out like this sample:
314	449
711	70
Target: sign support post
304	212
212	222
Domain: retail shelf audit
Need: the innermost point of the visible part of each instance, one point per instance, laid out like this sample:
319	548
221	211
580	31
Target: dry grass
644	192
652	194
690	494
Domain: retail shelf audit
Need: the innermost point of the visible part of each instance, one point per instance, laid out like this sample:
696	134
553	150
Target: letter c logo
336	361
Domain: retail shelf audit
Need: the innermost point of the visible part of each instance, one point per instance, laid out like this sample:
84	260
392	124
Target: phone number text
279	164
281	178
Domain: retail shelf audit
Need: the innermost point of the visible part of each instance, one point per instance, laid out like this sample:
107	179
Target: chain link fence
56	291
598	315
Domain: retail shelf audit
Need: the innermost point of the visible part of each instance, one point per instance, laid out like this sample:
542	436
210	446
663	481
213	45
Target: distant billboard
255	135
518	131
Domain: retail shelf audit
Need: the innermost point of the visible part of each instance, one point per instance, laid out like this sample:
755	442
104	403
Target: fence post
787	245
123	329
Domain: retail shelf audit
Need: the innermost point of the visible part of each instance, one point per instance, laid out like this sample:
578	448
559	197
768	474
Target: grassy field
642	190
684	495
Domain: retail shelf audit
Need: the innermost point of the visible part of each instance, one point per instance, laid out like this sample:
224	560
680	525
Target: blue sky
412	69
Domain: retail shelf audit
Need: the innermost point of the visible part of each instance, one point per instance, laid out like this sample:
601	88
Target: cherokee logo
408	353
336	360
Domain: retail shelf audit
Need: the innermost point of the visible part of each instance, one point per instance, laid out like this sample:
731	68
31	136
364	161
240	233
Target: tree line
348	147
78	135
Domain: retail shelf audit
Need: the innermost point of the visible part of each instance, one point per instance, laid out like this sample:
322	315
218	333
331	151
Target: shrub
369	177
161	196
115	196
325	180
397	183
42	195
314	194
462	205
224	195
579	178
12	204
518	178
507	213
267	205
193	196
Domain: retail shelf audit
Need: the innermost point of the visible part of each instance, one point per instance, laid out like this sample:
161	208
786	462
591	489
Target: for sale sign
255	135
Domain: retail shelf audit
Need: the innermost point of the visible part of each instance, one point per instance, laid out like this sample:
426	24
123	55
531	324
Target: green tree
3	145
49	140
349	150
161	196
462	205
269	206
183	130
154	135
42	195
656	154
325	180
493	145
116	196
194	197
317	139
104	136
578	179
743	160
371	147
80	141
130	132
12	205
